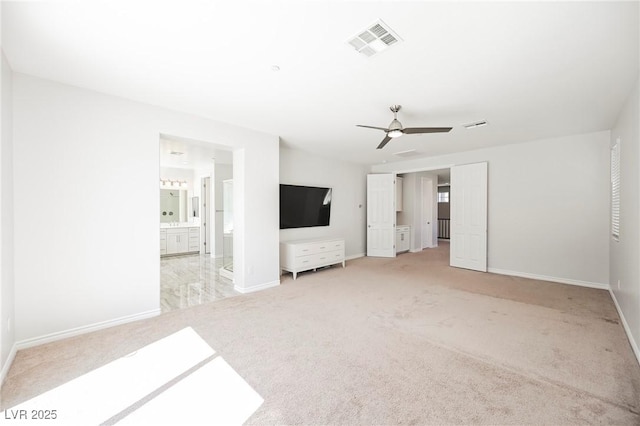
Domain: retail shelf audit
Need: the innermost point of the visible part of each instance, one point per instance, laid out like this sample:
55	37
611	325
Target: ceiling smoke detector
374	39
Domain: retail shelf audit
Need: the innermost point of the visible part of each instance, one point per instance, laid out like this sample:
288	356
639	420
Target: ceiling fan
396	130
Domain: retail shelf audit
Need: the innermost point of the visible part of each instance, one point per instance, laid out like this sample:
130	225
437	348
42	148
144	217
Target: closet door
469	217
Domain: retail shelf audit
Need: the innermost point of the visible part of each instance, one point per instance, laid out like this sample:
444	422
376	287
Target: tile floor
191	280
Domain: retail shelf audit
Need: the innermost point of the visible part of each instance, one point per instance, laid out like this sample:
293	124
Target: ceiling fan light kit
396	130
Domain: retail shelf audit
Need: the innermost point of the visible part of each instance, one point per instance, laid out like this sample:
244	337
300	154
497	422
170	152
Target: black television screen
304	206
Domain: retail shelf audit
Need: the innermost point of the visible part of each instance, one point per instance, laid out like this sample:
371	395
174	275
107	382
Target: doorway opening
418	210
191	223
413	197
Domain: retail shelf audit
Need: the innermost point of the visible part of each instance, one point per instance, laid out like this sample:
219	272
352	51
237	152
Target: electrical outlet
618	284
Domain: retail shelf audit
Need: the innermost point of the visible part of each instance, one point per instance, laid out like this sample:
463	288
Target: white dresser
305	255
179	240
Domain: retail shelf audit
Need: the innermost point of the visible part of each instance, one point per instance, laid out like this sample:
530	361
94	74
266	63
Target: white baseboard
354	256
8	362
589	284
625	325
256	287
35	341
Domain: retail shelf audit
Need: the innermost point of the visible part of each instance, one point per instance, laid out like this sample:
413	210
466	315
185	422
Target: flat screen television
304	206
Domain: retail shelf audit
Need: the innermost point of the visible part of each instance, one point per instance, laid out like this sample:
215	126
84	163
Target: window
443	197
615	190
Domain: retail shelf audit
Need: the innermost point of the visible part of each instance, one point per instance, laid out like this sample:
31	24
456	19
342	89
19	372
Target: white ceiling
531	69
182	153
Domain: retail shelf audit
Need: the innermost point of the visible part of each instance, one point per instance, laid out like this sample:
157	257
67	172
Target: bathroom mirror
173	205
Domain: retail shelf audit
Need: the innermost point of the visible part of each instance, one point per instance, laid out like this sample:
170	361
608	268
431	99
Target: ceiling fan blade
384	142
411	130
372	127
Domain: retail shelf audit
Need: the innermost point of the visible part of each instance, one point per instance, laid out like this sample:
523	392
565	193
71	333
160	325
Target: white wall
75	152
547	206
348	205
7	296
625	253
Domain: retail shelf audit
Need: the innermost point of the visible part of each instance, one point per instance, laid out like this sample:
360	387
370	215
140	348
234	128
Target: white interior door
469	217
381	215
426	220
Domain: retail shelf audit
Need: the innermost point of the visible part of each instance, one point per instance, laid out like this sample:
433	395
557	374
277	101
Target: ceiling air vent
409	153
374	39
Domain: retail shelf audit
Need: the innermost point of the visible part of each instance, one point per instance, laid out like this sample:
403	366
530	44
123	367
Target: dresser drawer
329	257
330	246
320	247
318	259
303	249
304	261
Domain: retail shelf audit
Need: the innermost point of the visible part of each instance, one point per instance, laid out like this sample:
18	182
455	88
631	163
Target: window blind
615	190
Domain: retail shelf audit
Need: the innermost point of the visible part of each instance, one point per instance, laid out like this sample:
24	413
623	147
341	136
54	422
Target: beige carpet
392	341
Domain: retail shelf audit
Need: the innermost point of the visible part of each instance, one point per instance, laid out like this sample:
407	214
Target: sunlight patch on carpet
215	394
176	380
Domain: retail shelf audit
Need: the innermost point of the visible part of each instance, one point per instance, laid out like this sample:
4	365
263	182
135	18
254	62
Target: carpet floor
408	340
